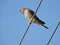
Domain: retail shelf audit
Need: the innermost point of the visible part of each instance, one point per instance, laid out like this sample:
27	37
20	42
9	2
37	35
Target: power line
53	33
30	22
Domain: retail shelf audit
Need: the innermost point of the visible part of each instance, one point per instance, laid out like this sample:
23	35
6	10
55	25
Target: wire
53	33
30	22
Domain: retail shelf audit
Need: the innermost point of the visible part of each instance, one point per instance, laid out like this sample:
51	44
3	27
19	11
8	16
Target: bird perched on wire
28	13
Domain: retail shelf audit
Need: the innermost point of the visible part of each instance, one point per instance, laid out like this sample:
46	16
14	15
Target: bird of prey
28	13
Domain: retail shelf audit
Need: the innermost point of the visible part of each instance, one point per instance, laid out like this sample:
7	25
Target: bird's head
22	10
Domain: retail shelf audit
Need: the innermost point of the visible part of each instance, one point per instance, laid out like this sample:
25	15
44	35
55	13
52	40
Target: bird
28	13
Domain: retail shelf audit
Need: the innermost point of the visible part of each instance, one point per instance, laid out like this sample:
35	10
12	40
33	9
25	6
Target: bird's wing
42	22
32	12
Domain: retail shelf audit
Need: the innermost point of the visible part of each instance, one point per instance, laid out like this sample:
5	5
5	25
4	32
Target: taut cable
30	22
53	33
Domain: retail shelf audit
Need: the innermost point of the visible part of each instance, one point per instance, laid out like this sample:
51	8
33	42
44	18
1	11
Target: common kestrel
28	13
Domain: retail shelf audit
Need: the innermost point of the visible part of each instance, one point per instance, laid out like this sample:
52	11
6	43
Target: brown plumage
29	13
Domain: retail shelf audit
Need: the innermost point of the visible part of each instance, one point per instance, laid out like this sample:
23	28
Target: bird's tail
44	26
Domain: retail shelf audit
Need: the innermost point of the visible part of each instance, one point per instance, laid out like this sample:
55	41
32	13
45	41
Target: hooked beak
22	10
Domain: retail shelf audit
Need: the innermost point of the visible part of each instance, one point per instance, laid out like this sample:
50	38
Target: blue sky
13	23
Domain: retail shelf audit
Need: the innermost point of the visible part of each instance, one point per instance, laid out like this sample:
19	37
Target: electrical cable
53	33
30	22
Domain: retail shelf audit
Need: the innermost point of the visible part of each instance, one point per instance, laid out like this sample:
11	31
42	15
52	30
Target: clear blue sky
13	23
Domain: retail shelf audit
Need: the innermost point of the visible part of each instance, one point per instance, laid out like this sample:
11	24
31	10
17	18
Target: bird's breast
28	16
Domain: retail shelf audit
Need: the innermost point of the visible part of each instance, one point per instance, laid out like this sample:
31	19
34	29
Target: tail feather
45	26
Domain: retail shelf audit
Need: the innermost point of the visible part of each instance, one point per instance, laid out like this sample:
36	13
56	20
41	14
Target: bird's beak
22	11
